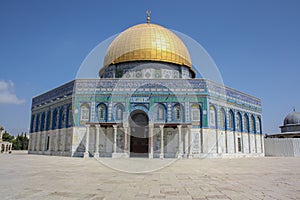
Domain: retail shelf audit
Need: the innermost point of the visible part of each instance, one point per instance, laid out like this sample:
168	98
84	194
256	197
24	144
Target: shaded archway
139	121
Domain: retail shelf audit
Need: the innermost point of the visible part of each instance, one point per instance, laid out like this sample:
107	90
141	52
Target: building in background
146	103
5	147
286	143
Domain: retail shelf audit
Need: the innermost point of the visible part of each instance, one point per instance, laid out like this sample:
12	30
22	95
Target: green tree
19	143
6	137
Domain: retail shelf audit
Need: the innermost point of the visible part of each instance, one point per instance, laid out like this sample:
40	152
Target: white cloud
7	94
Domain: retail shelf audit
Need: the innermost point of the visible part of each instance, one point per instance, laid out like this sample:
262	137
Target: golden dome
147	42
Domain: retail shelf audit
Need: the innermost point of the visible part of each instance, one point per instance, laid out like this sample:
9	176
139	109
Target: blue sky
255	44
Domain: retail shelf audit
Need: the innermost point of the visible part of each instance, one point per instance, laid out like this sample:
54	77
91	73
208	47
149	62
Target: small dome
292	118
147	42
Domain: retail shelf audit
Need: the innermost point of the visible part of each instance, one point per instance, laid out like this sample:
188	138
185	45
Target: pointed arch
231	124
42	122
119	111
48	122
222	119
101	112
178	112
239	122
258	125
212	116
246	123
161	112
85	112
252	124
69	120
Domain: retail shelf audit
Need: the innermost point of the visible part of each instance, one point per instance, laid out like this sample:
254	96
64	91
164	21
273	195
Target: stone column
249	142
255	142
180	144
10	149
87	138
96	153
161	155
63	148
151	126
125	139
115	139
191	142
186	143
57	140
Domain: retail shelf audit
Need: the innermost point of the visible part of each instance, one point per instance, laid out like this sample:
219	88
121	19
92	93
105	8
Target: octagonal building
146	103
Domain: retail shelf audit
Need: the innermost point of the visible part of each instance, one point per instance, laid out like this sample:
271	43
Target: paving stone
24	176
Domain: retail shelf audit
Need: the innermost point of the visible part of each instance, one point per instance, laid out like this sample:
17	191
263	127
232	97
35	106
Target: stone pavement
25	176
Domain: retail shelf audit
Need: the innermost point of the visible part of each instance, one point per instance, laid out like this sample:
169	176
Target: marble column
161	155
180	144
96	152
87	138
151	126
191	141
115	138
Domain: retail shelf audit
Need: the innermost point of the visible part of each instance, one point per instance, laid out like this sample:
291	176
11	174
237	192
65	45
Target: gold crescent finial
148	12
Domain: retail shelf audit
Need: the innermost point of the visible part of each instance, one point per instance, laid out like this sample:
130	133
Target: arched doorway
139	134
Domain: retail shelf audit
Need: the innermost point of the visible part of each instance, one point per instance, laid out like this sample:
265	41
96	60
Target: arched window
178	112
252	124
246	123
196	112
84	112
258	125
231	120
37	123
119	112
63	118
239	122
43	122
101	112
222	119
32	123
161	112
70	116
212	116
48	120
54	119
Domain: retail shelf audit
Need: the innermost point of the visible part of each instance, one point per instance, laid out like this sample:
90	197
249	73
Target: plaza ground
24	176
